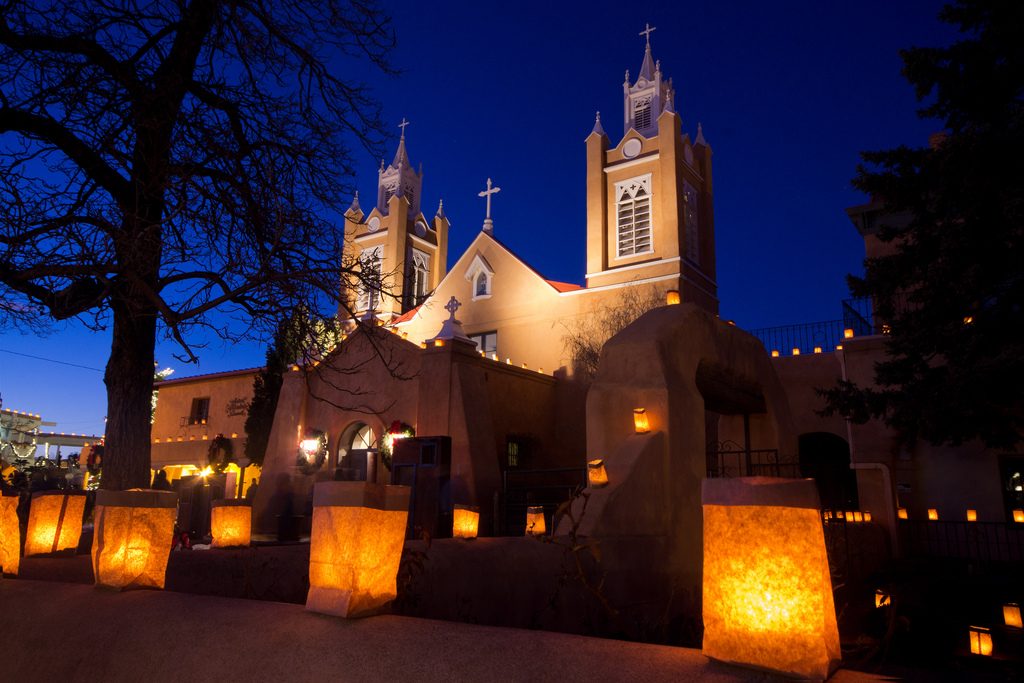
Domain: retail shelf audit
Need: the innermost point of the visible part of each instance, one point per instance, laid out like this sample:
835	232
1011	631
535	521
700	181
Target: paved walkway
70	632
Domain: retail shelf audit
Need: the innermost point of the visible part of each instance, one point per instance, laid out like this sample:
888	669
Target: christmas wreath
398	430
220	453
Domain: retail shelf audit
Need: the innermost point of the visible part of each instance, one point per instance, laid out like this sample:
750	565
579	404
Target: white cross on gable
402	125
487	193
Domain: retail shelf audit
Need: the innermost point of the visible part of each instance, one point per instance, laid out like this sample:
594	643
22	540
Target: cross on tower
452	306
488	223
402	125
646	33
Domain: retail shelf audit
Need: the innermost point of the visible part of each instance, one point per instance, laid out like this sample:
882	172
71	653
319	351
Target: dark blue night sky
788	94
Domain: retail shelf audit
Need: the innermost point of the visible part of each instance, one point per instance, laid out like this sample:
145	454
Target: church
471	359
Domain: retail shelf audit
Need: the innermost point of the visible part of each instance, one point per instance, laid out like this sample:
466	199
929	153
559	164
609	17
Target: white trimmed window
480	276
487	342
633	216
370	279
419	278
691	209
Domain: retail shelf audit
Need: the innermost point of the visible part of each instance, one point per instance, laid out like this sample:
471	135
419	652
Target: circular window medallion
373	225
420	228
631	148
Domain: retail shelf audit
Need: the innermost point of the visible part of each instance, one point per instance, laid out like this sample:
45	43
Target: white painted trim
370	235
645	264
633	283
647	180
619	165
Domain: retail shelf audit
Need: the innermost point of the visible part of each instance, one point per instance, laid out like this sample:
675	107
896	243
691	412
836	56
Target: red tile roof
563	286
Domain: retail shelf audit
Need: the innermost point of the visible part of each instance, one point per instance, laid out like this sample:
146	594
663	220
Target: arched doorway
826	458
357	453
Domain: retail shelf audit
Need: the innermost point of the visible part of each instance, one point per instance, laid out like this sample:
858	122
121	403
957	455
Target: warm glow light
933	514
641	425
858	516
439	342
132	537
972	515
1011	615
968	319
767	595
309	446
817	349
230	523
839	347
848	333
867	516
597	475
205	472
465	521
10	535
356	546
423	345
54	522
672	297
1018	516
796	351
882	598
535	525
981	641
902	513
775	353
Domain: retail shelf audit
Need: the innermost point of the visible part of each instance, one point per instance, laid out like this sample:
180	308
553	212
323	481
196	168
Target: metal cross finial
487	193
646	33
402	125
452	306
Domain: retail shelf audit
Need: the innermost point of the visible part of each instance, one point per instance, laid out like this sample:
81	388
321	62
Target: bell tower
649	198
403	253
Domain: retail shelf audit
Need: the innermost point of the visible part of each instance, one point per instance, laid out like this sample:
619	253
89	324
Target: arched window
482	284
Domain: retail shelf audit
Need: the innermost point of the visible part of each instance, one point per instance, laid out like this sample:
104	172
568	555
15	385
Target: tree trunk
129	380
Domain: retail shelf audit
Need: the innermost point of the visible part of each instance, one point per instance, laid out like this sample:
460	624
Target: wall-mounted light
641	425
597	475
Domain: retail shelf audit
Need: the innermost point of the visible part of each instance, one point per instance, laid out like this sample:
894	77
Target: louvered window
642	113
634	216
370	279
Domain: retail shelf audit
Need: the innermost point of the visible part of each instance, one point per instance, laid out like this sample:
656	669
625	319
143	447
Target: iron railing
805	337
523	488
740	462
962	540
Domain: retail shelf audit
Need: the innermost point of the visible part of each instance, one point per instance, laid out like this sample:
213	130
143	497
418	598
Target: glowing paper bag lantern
882	598
672	297
933	514
132	538
981	641
641	425
902	513
767	593
972	515
10	535
597	475
1011	615
535	525
358	535
54	522
465	522
230	523
1018	516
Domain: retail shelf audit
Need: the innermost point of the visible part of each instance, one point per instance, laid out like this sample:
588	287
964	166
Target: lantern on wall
672	297
132	537
465	521
230	522
902	513
640	423
848	333
535	525
54	522
981	641
767	594
10	535
972	515
1011	615
356	546
933	514
1018	516
597	475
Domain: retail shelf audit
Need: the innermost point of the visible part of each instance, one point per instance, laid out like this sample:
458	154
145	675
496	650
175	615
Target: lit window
634	216
642	113
486	342
691	210
370	279
481	284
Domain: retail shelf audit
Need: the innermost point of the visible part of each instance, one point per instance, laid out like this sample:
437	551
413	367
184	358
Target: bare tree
173	164
585	336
